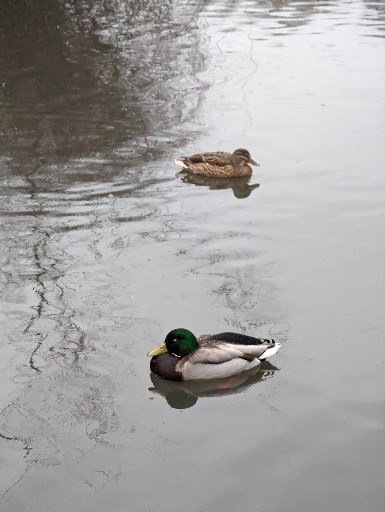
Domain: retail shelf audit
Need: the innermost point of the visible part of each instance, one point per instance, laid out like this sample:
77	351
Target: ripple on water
104	250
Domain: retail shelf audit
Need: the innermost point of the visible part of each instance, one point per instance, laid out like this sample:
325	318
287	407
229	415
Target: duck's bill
157	351
254	162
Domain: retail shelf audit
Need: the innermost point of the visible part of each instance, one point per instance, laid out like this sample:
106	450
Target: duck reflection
182	395
240	186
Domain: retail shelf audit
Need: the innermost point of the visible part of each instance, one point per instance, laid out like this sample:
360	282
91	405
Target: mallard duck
220	164
212	356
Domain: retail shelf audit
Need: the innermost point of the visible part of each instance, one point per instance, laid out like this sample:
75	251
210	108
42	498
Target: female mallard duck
212	356
220	164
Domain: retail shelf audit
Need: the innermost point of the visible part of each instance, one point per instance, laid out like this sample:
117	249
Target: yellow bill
157	351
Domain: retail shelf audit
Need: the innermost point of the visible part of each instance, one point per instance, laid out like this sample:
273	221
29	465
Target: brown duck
219	164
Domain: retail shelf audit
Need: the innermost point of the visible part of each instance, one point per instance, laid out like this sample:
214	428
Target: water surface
104	250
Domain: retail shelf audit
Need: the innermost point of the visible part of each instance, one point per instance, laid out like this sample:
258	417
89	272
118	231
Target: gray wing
218	353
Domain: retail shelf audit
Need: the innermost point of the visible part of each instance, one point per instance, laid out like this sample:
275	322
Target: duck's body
219	164
185	357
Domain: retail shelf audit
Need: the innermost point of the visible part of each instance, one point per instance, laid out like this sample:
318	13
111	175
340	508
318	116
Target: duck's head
245	156
179	342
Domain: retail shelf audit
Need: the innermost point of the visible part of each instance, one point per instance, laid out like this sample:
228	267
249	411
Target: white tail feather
181	164
270	351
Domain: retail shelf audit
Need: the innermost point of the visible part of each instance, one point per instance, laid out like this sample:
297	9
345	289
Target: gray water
104	249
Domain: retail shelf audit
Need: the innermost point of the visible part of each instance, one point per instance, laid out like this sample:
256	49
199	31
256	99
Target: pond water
104	249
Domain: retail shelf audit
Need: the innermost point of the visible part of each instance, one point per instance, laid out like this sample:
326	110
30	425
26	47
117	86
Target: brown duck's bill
159	350
254	162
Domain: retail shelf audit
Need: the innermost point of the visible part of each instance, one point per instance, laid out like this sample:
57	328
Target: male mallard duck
220	164
212	356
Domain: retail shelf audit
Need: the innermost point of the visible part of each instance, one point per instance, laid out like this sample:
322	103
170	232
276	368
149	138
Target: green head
180	342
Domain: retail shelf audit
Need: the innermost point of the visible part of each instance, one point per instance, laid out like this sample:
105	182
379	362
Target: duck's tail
181	163
270	351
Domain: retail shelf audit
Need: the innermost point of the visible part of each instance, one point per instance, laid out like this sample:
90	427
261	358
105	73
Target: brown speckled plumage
219	164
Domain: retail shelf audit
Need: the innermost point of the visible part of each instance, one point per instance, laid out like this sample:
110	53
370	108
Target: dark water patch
81	80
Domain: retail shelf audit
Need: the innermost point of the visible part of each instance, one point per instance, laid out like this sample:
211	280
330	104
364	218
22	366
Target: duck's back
218	164
231	337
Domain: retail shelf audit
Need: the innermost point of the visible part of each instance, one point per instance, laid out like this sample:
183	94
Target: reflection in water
375	14
86	79
182	395
90	94
240	186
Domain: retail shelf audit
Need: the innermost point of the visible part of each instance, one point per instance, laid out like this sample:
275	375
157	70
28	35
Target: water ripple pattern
104	249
